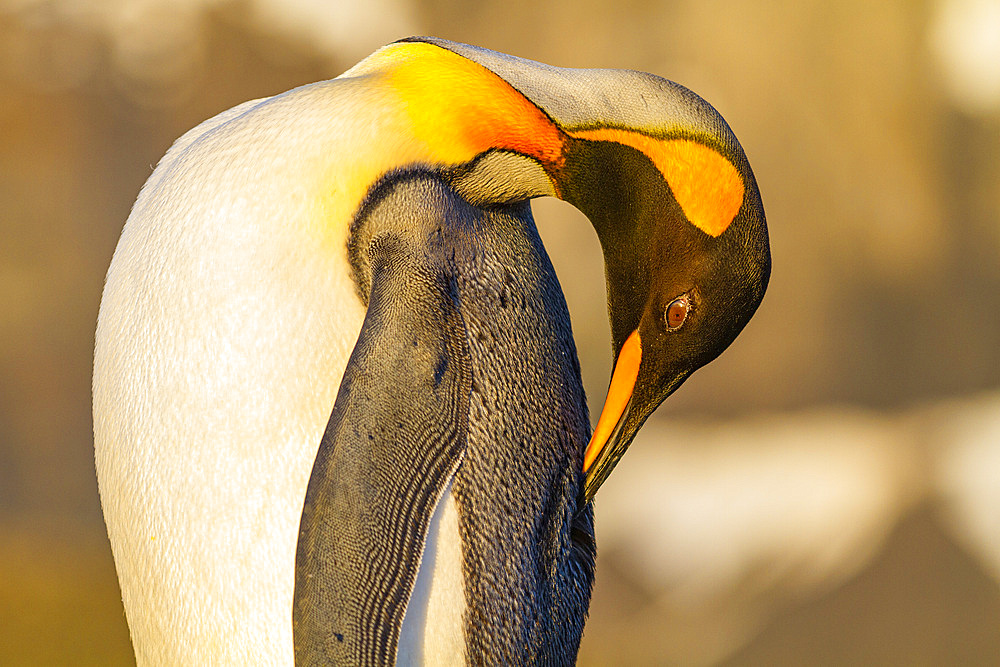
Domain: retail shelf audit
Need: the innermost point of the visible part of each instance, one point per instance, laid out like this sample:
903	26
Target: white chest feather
227	319
433	631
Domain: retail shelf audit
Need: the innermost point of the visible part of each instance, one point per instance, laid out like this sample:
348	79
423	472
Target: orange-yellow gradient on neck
459	109
704	183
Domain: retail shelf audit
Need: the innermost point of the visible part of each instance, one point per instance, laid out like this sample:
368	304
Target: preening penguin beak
615	431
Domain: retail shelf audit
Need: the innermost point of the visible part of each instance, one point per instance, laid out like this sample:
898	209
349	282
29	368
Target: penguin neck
621	193
490	143
457	108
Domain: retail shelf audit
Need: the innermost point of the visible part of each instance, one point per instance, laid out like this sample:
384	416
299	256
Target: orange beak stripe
619	393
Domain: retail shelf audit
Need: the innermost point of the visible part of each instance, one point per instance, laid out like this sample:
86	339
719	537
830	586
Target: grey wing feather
395	439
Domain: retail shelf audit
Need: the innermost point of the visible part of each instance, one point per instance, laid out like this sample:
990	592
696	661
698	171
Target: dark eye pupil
677	313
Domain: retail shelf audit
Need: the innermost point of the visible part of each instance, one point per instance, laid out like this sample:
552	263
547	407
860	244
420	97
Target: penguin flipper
396	436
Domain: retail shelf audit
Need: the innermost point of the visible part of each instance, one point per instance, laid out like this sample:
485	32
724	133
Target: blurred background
827	492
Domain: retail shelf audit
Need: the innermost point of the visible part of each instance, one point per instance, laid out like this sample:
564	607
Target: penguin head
687	261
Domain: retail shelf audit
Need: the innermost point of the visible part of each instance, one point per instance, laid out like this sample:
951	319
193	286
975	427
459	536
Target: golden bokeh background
827	492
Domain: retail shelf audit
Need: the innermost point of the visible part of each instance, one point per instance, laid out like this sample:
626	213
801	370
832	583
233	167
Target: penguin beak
615	431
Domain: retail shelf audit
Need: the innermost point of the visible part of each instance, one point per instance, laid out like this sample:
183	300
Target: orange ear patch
704	183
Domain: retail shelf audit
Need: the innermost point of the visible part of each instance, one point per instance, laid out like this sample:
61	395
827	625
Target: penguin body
337	406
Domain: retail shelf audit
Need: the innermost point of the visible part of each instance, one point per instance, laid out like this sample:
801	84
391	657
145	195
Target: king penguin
338	412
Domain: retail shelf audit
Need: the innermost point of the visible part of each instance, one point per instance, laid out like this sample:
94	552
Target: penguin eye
676	313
